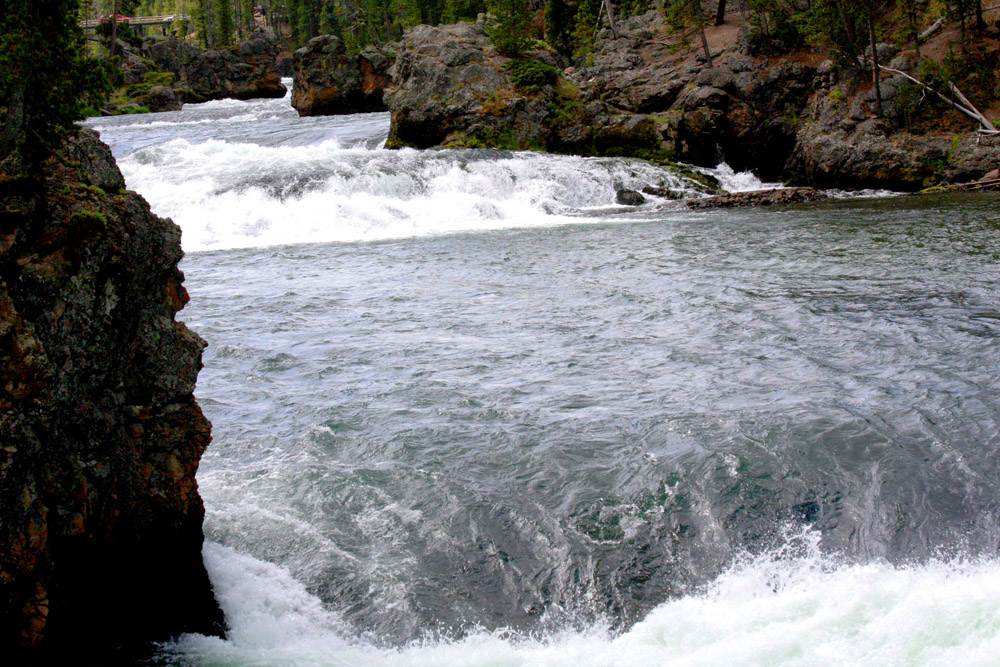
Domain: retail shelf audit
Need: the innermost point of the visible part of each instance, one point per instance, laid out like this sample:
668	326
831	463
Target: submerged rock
629	198
100	435
760	198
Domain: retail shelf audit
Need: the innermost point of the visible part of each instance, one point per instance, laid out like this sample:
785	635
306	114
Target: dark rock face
248	72
841	144
449	87
100	435
744	110
794	119
171	54
330	82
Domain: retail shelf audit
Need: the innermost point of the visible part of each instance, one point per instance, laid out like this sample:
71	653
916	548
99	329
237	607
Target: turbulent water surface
468	411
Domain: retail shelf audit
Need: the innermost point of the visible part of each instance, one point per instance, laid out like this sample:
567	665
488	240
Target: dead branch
934	27
969	110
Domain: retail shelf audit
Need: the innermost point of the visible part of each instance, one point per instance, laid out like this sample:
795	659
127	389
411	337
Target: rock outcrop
449	87
330	82
246	72
841	144
100	435
743	110
795	118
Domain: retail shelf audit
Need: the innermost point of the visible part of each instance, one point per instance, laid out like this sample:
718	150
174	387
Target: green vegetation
531	75
511	34
89	219
45	80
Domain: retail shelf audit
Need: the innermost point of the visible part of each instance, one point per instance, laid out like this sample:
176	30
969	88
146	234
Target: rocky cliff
797	117
647	93
100	435
246	72
449	87
328	81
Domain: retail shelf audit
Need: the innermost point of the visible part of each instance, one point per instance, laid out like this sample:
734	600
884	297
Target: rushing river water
467	411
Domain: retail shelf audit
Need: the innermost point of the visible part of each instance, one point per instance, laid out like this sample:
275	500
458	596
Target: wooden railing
136	21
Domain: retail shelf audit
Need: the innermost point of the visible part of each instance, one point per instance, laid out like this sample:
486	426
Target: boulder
449	87
246	72
100	434
249	72
627	197
328	81
759	198
162	98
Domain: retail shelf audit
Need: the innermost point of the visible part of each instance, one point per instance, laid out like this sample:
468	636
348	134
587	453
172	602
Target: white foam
228	195
791	607
743	181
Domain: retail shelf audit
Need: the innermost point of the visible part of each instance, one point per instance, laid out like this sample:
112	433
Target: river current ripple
485	446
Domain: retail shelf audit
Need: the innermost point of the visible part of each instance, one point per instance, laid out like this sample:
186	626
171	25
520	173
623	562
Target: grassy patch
89	218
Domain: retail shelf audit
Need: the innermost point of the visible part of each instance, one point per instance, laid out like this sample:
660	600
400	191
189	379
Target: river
468	411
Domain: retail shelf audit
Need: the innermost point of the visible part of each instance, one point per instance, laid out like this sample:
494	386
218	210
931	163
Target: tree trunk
611	18
720	15
12	132
875	70
980	23
114	26
696	9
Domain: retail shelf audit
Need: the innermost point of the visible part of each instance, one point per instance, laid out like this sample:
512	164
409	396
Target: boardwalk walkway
141	21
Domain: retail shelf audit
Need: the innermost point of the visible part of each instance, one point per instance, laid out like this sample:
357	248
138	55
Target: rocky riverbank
166	73
100	434
797	118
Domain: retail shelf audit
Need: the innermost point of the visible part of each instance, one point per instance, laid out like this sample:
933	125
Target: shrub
529	74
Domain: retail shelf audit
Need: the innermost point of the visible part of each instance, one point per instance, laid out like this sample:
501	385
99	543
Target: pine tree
584	27
45	80
511	35
559	25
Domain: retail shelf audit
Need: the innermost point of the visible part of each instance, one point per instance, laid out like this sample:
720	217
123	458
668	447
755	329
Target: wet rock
328	81
666	193
759	198
162	98
629	197
100	435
